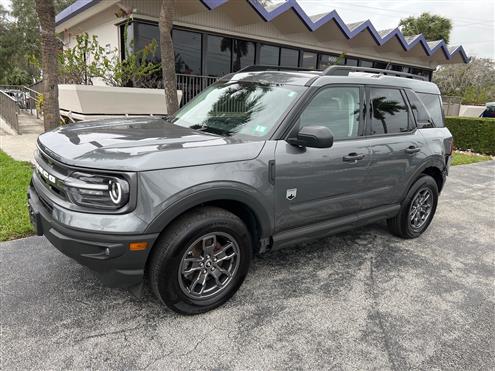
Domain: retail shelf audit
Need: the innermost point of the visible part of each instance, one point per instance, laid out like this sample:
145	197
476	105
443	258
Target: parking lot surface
359	300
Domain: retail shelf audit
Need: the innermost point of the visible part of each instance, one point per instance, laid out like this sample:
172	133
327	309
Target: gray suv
262	159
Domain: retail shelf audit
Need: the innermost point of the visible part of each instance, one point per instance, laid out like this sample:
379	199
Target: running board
329	227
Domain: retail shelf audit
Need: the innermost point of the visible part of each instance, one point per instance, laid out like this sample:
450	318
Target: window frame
419	124
411	123
293	123
442	112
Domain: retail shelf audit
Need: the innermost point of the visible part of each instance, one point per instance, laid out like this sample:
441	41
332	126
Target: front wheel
417	210
200	261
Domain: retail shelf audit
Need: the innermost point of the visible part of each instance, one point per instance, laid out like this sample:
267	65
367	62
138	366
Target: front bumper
108	255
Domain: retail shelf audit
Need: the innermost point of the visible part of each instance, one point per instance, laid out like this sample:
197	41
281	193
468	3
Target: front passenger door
315	184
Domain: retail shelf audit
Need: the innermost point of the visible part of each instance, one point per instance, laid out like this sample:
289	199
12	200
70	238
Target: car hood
140	144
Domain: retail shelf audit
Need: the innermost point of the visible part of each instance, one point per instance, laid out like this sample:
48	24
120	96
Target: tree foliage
474	82
20	40
433	27
87	60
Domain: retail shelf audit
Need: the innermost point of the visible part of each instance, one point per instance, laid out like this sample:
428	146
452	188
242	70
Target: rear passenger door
397	147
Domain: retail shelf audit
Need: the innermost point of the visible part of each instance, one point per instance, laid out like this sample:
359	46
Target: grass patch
14	182
463	158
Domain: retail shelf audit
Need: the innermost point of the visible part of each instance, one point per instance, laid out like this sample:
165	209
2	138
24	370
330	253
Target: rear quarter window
433	104
420	112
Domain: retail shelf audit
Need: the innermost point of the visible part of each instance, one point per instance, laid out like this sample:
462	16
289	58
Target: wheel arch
433	167
241	201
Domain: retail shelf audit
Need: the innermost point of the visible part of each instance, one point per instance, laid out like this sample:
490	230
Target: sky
473	20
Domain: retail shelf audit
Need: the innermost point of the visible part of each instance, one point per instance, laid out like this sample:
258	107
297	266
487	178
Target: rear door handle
412	149
354	157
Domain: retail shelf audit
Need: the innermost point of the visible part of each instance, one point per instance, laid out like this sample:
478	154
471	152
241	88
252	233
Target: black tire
169	251
400	225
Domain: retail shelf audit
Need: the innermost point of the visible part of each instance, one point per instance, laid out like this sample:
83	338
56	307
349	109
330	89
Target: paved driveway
360	300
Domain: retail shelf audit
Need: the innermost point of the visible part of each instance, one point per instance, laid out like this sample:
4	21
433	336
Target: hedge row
475	134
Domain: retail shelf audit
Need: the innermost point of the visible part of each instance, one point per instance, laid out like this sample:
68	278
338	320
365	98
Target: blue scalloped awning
312	23
349	31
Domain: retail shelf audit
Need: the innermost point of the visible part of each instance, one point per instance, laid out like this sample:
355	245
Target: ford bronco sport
262	159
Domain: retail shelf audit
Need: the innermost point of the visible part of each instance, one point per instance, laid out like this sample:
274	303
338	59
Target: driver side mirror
313	137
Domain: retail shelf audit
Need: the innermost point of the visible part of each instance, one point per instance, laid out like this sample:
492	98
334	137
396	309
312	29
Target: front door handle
412	149
354	157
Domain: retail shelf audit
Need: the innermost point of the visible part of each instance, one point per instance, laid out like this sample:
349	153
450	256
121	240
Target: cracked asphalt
359	300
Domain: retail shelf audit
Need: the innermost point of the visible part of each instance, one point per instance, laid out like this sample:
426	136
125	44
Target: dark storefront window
367	64
126	39
289	57
187	47
218	55
309	60
380	65
396	67
146	34
351	62
243	54
269	55
420	72
327	60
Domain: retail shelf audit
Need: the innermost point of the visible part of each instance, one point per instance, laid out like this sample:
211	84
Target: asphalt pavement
359	300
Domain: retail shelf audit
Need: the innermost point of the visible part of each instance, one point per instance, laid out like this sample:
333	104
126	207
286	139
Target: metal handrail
30	98
31	90
9	110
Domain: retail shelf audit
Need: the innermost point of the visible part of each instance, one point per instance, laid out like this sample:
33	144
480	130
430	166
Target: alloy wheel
421	207
208	265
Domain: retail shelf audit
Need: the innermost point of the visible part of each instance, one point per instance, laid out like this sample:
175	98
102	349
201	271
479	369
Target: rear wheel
417	210
200	261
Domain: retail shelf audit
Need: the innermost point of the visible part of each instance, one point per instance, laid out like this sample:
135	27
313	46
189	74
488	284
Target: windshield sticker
291	94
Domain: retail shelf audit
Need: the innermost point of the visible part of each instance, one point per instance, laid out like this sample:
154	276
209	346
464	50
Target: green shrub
475	134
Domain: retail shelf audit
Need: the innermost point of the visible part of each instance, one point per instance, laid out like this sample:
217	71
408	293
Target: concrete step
30	124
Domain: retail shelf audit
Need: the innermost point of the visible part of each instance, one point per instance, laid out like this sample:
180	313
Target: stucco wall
102	25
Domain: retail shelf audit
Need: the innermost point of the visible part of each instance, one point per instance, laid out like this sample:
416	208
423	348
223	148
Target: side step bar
329	227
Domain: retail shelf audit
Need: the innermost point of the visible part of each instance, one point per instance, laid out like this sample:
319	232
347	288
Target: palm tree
167	15
46	15
239	49
381	106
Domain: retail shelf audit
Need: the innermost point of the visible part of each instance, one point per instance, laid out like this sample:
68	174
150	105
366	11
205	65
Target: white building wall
103	25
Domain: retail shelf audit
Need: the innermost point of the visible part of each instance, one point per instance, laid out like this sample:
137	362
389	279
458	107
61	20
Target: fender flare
436	161
209	192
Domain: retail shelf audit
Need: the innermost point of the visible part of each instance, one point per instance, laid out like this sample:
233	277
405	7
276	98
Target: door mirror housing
313	136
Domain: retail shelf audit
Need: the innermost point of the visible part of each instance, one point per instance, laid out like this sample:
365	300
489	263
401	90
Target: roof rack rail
345	70
260	68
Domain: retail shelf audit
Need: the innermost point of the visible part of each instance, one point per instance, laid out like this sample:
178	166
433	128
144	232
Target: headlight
97	191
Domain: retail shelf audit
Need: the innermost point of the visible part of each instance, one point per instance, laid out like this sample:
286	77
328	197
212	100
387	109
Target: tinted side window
337	108
433	104
390	113
419	110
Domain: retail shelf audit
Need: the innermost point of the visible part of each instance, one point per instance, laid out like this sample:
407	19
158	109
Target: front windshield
238	108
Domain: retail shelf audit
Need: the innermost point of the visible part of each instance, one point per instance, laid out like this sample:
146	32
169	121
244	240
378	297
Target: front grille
52	174
54	164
